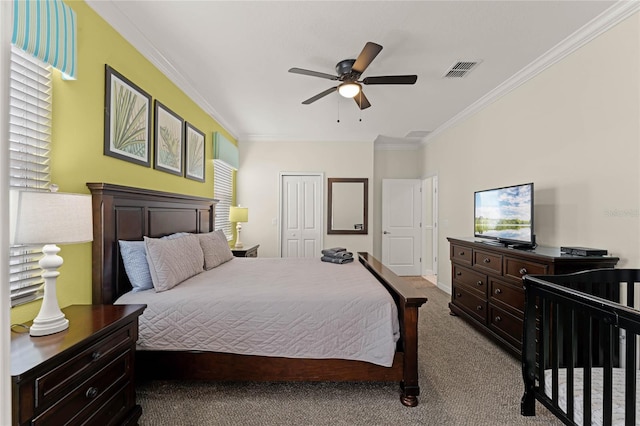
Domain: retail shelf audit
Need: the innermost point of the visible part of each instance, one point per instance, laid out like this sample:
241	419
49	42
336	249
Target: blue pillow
134	257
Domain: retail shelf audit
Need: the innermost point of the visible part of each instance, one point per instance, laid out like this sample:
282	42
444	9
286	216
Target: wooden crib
581	333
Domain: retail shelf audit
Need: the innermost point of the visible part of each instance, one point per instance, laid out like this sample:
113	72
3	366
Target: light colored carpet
464	380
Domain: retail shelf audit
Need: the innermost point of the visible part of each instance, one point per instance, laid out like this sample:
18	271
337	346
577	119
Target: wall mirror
348	205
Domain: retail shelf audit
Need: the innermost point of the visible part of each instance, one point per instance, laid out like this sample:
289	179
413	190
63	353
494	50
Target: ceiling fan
349	71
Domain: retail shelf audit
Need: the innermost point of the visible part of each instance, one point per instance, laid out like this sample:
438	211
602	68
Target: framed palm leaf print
127	119
168	140
194	153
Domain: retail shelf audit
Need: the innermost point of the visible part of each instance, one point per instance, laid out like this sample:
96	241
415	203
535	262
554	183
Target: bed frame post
409	385
528	402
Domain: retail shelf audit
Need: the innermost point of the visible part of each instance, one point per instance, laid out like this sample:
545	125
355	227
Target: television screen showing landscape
504	213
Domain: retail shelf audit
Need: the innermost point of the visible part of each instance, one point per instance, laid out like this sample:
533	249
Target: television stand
486	287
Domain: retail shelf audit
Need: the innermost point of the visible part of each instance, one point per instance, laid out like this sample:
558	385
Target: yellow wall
78	139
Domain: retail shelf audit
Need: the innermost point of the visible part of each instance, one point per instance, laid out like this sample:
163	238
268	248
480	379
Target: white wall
573	130
5	320
257	185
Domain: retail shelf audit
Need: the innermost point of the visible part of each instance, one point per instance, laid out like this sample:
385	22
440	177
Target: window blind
223	191
29	140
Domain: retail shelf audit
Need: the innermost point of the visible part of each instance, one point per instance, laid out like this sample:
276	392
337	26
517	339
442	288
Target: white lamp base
50	319
239	244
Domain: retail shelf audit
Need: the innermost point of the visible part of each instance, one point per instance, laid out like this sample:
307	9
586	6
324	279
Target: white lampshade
50	218
349	89
238	214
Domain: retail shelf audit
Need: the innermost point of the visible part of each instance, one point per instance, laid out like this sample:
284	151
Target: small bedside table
251	251
84	374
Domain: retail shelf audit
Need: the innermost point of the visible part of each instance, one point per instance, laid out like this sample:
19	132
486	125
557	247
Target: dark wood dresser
486	288
83	375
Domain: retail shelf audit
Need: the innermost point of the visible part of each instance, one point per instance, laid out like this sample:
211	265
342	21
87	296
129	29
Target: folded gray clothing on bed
336	259
341	255
332	251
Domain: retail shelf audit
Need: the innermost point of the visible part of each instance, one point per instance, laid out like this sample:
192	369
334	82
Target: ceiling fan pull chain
338	110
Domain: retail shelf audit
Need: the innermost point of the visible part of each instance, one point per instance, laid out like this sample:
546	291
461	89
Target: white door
401	234
301	199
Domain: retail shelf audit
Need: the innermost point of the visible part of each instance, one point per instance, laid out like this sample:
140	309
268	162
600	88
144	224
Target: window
29	140
223	191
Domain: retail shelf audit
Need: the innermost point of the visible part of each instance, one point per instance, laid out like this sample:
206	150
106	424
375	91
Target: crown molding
598	25
110	12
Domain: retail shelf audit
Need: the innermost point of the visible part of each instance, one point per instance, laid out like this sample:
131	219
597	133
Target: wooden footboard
573	328
125	213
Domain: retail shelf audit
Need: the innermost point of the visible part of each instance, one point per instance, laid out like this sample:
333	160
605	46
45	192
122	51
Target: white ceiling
232	58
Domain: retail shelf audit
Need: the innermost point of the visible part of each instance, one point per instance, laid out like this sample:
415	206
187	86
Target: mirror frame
365	210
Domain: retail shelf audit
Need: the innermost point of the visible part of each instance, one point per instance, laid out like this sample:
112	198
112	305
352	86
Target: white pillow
215	248
171	261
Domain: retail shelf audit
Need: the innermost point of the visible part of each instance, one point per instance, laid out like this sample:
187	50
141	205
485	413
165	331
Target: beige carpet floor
465	379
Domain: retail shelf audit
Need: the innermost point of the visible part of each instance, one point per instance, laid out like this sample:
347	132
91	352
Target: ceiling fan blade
313	73
362	100
368	54
319	95
391	79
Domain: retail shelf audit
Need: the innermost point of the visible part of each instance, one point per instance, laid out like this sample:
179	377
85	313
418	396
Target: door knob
386	232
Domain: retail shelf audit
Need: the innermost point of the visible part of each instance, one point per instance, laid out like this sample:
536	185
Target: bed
128	213
580	356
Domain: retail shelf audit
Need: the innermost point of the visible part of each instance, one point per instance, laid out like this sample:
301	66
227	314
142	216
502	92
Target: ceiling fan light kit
349	89
349	71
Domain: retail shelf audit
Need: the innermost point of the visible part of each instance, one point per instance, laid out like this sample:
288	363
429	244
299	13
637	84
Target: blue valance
47	30
225	150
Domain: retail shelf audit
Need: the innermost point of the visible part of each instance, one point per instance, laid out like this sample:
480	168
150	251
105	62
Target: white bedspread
281	307
597	391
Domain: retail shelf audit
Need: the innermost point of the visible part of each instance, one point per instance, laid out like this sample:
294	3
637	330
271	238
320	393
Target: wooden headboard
127	213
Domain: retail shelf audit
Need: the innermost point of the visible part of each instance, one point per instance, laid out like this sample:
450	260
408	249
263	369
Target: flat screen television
505	215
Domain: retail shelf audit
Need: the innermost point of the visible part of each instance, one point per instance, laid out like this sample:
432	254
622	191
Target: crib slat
555	352
630	378
569	357
607	371
588	362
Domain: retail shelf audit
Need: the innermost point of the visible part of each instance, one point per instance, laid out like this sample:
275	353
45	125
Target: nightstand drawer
250	251
80	404
58	382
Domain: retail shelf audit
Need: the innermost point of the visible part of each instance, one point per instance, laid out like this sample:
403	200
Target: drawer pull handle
497	291
498	318
458	273
91	392
523	271
479	282
487	260
96	356
479	307
461	253
458	295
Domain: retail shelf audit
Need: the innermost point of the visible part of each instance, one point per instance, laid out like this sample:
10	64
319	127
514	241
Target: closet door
301	207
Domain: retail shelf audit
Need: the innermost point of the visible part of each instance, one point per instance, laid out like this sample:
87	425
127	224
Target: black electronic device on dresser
487	288
82	375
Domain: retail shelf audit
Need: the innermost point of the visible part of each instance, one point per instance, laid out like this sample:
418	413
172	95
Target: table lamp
50	218
238	215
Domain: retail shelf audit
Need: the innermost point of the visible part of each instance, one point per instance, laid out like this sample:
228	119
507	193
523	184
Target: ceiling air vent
460	69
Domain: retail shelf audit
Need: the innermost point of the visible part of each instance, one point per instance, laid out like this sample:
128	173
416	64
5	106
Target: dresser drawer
509	294
461	254
474	280
86	398
488	261
467	300
517	268
59	381
506	325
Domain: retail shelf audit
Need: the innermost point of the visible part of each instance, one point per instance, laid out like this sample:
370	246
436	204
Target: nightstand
84	374
251	251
